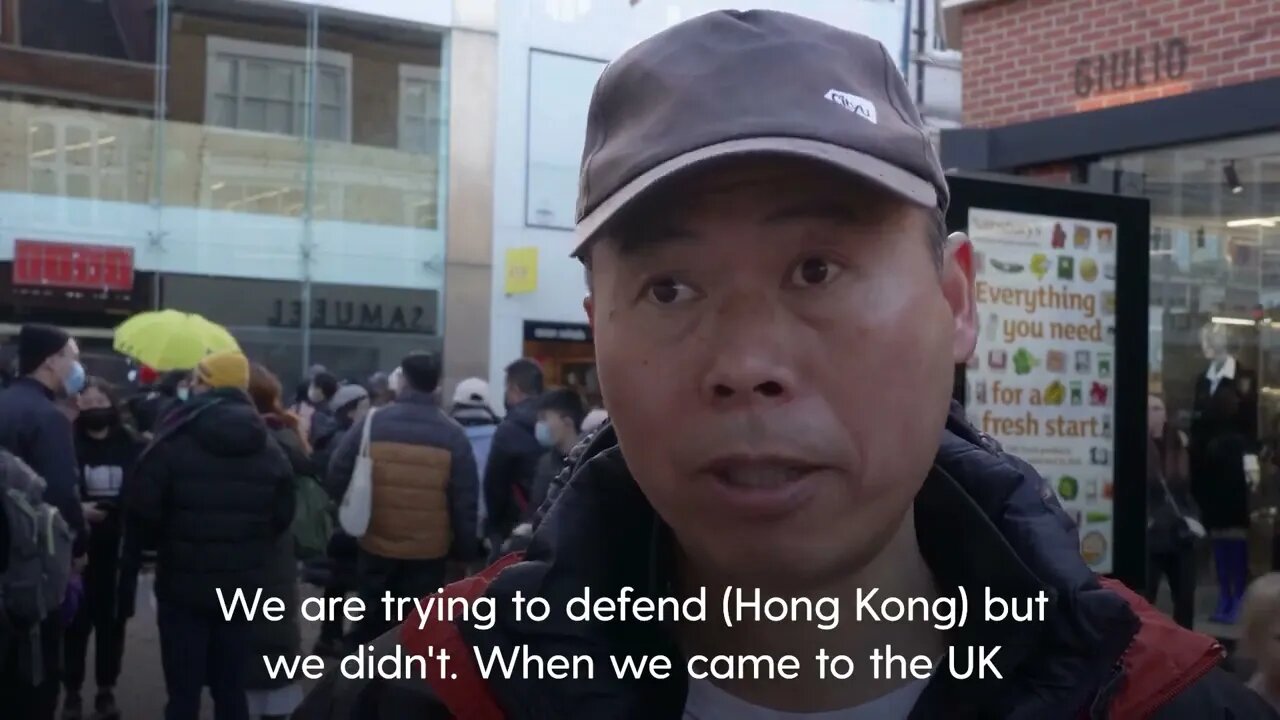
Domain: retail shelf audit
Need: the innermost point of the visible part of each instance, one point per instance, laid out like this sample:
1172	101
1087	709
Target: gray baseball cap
733	83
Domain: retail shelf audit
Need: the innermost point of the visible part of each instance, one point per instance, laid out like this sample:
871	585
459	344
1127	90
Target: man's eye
813	271
667	291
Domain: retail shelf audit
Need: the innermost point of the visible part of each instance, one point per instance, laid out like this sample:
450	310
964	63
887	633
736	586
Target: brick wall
1020	56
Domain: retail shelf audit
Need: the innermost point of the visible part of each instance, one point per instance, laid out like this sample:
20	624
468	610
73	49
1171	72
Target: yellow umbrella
170	339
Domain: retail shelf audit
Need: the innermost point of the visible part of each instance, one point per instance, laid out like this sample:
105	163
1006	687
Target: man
560	417
35	429
324	428
472	410
776	315
424	495
513	454
212	494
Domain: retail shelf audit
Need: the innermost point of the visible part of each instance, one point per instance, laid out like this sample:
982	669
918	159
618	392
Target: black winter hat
37	343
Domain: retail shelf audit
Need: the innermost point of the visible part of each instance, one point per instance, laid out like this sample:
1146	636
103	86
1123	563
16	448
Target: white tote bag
357	503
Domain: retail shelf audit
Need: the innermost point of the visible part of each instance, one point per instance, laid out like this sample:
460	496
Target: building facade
550	53
1175	101
279	168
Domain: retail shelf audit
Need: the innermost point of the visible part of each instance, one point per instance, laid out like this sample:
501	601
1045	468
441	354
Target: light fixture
1266	222
1232	177
1233	321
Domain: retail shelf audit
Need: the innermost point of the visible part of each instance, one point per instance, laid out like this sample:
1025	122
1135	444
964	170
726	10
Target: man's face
776	352
561	427
60	362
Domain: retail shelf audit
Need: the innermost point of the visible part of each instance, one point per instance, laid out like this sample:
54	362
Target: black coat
1092	647
111	580
1224	428
1166	468
282	638
513	462
34	429
213	493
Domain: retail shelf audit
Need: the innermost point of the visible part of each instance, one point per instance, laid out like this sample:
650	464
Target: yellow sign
522	270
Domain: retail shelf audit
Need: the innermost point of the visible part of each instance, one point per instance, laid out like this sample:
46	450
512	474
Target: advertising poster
1042	379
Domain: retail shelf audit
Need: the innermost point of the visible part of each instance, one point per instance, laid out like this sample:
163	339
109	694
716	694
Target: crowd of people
207	478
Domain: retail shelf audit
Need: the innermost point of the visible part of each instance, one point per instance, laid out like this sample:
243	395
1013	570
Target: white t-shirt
708	702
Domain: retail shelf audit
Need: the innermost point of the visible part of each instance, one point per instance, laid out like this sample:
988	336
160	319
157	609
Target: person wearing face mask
106	450
34	429
560	416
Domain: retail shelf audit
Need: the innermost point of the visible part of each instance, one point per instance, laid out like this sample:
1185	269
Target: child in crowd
1261	637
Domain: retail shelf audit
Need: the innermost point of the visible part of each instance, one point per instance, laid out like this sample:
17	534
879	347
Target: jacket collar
1016	541
34	384
409	396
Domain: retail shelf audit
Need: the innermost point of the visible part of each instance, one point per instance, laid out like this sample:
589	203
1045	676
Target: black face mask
98	419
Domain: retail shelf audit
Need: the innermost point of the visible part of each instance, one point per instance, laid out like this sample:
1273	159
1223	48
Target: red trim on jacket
464	692
1162	660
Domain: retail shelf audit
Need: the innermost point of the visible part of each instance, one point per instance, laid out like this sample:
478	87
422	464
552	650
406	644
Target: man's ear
957	288
589	305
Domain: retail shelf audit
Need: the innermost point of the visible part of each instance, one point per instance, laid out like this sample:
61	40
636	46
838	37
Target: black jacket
1093	655
283	638
508	474
34	429
213	492
111	579
549	467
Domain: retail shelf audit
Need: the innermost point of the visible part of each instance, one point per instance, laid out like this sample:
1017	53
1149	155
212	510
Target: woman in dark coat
1169	542
106	451
277	698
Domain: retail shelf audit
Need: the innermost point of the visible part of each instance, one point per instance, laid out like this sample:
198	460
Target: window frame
528	126
409	72
218	45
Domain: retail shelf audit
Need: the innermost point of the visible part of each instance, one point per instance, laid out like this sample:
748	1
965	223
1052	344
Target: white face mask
184	393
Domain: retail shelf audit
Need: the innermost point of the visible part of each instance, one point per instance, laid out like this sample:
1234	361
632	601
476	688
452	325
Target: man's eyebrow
832	211
642	239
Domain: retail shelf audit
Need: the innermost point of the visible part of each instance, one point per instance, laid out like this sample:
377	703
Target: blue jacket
34	429
1100	652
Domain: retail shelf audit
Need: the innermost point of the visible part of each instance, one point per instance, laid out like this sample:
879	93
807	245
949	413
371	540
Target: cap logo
855	104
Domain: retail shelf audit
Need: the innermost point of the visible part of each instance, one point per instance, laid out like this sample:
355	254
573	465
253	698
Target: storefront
1177	105
566	353
87	289
352	330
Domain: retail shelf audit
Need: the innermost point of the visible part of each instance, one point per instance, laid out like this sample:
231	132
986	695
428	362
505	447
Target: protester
777	316
106	451
1260	639
154	403
276	698
324	428
513	454
380	392
1170	542
473	411
336	574
38	432
424	495
212	493
560	416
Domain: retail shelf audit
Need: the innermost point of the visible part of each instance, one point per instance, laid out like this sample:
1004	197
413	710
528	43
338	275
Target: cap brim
868	167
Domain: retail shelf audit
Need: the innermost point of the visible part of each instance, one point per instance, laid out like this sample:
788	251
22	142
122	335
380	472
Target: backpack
312	518
40	541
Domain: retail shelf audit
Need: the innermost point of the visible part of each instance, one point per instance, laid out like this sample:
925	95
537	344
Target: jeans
19	697
1179	568
199	648
403	579
108	650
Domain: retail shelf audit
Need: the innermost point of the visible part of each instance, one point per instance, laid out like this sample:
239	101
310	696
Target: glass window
560	88
1214	316
262	87
420	109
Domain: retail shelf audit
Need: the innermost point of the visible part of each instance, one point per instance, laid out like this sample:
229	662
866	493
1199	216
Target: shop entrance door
1059	375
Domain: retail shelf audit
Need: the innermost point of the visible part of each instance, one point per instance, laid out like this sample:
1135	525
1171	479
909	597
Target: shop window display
1214	346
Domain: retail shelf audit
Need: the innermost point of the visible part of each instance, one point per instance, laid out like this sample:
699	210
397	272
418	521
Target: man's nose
752	360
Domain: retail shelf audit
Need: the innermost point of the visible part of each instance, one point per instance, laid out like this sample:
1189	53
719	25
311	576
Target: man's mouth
762	486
